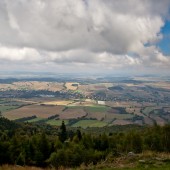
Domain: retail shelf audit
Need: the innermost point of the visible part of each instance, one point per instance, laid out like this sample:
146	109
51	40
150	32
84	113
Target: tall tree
63	132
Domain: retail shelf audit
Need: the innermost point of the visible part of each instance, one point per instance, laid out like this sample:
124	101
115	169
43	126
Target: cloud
111	34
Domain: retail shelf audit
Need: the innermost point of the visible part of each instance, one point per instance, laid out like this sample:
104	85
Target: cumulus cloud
106	33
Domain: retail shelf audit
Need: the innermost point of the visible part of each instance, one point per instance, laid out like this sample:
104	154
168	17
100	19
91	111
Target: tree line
36	145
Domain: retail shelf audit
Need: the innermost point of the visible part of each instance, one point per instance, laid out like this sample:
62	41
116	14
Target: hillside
42	145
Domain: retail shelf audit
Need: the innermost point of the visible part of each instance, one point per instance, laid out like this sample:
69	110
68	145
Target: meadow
89	123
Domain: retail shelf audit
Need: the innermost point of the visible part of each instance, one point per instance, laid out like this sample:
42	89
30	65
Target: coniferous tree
63	132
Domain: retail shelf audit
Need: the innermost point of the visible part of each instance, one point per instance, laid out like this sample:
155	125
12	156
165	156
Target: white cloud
111	34
19	54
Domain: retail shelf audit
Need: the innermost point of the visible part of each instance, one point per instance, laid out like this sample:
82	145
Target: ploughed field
96	104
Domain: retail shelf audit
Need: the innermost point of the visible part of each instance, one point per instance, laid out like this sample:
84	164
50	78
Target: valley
96	102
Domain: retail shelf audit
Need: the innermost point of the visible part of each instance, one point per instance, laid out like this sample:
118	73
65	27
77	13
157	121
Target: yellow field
83	103
69	86
94	87
59	103
123	104
33	85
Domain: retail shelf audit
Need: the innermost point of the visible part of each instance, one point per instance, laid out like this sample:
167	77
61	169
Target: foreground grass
9	167
144	161
163	167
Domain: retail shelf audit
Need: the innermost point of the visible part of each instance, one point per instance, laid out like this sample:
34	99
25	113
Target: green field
147	110
119	116
97	108
2	101
89	123
54	122
35	120
94	108
7	108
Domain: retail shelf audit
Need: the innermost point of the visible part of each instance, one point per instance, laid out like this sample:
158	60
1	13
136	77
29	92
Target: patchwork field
67	110
134	101
37	110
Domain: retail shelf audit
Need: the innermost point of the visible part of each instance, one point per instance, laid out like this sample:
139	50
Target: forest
42	145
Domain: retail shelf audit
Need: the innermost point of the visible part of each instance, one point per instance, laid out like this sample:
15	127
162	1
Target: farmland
89	123
38	110
91	103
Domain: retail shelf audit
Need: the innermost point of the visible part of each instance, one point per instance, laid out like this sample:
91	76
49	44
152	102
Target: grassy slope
89	123
54	122
159	167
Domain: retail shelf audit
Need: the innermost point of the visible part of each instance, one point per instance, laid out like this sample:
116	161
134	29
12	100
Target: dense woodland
43	145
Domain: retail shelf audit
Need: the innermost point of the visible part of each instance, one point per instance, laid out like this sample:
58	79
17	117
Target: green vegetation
97	108
122	116
4	108
93	108
89	123
2	101
54	122
42	145
147	110
35	120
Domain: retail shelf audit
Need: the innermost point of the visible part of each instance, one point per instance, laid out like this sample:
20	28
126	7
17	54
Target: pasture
6	108
89	123
147	110
35	120
97	108
54	122
110	116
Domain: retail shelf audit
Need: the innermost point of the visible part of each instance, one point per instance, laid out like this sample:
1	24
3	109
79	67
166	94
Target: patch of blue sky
164	44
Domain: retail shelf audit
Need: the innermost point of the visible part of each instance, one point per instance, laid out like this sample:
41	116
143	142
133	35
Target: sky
85	36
